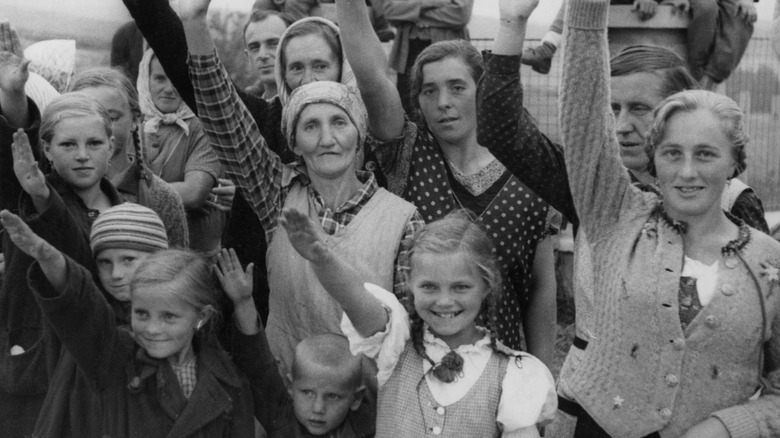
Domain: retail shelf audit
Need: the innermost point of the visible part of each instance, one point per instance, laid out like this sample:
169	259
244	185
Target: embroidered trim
679	227
737	245
479	181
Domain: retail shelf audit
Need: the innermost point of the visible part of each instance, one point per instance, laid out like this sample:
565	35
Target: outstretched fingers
22	236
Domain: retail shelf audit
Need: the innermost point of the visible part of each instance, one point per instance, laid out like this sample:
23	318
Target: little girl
177	150
167	376
439	373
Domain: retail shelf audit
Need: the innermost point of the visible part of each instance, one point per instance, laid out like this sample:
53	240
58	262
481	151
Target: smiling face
162	323
80	150
116	267
448	294
448	100
693	161
164	95
262	38
309	58
327	140
634	97
118	109
323	396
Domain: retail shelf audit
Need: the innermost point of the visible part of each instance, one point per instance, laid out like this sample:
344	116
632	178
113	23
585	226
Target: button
665	412
671	380
728	290
440	410
678	344
712	321
437	430
370	166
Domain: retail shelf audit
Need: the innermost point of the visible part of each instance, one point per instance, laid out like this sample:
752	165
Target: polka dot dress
515	219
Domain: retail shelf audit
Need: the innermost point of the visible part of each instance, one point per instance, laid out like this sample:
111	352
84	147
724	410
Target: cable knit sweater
640	372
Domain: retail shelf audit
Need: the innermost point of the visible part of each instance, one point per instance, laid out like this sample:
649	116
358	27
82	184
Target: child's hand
23	237
645	9
26	168
746	11
14	72
9	40
236	283
679	6
222	195
305	236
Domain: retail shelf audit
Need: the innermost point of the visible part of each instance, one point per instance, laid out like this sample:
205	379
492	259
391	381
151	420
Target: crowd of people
336	252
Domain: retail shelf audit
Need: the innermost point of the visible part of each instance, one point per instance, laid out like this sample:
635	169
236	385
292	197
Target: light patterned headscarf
153	116
334	93
347	76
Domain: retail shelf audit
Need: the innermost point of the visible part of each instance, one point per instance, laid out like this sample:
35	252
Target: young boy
325	397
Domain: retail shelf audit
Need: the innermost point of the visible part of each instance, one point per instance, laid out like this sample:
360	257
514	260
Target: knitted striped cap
128	226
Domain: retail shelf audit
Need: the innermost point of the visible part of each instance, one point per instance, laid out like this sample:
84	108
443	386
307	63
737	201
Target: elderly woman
325	123
683	332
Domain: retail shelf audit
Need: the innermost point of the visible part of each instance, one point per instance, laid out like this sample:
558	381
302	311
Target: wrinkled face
164	95
693	162
448	100
80	151
322	398
119	109
327	140
262	38
634	97
116	267
448	294
162	323
309	58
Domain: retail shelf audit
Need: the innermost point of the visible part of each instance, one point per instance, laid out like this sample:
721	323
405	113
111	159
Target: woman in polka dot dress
438	165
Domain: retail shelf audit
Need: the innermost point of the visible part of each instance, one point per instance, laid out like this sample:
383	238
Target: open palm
26	168
514	9
305	236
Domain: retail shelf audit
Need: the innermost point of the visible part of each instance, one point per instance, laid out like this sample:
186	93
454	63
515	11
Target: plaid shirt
187	375
258	172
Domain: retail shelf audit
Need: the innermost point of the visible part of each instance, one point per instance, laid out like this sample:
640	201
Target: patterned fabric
187	375
480	180
472	416
689	301
348	99
515	218
152	115
55	60
128	226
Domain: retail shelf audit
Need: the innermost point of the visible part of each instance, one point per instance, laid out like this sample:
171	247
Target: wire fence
755	86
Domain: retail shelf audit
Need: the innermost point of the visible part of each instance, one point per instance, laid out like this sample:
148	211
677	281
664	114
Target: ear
46	149
205	316
289	379
360	392
111	146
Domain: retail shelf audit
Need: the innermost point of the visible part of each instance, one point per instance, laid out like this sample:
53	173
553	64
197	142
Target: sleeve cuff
738	421
587	14
502	65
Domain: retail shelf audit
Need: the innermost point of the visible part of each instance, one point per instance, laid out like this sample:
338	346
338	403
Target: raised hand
236	283
9	40
14	72
305	236
512	10
746	11
189	9
645	9
23	237
26	168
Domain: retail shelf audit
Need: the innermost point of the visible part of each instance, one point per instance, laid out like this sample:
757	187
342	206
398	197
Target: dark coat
135	395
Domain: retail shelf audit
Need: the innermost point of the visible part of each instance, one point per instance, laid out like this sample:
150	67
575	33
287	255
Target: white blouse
528	392
706	278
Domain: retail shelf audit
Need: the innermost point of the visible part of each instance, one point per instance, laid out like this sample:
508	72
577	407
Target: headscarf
334	93
55	60
347	76
152	115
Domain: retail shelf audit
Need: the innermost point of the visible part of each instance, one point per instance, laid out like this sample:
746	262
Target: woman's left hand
305	236
709	428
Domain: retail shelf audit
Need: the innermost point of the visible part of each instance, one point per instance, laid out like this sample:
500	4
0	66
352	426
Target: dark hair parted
311	27
259	15
723	108
457	232
460	49
659	61
189	274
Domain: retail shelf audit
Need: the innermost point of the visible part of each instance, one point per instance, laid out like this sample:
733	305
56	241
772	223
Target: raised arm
435	13
368	61
503	124
599	182
341	281
232	132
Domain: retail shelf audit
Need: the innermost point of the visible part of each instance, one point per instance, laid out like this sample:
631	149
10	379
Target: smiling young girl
439	372
167	375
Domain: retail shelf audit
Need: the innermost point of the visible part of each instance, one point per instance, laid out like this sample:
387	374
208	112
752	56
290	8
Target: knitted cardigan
639	371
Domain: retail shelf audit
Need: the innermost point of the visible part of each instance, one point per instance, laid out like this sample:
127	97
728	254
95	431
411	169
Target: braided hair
457	232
